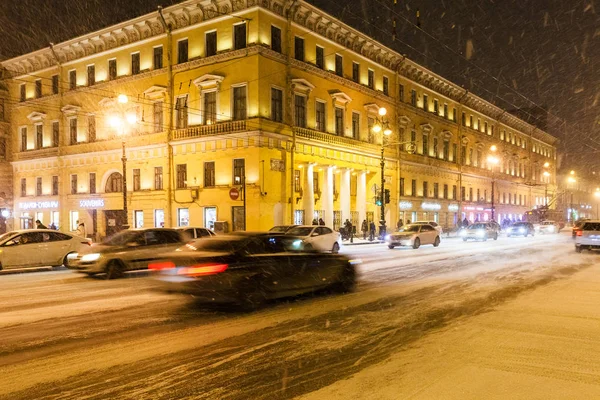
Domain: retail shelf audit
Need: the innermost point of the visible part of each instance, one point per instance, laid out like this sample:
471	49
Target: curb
25	270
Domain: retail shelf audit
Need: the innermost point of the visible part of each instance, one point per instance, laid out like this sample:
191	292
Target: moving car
38	248
250	268
588	237
281	228
437	226
479	231
127	250
414	235
520	229
191	233
549	227
577	227
317	237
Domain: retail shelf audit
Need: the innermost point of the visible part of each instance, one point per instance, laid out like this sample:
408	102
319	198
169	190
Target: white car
39	248
413	235
548	227
588	237
317	237
437	226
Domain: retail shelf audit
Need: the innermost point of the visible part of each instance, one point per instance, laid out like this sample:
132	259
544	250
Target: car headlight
297	244
90	257
388	237
480	233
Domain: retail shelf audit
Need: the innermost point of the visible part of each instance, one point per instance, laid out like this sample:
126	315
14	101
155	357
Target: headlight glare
90	257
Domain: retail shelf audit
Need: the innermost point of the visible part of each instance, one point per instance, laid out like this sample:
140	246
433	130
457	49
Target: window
136	179
182	51
300	110
436	107
54	84
485	127
478	198
114	184
454	114
316	186
446	111
39	136
413	188
38	88
209	174
23	187
425	151
210	107
24	138
471	122
92	182
23	90
239	36
183	217
464	119
157	57
112	69
182	113
135	63
470	194
73	184
463	193
159	218
386	86
181	176
435	147
371	79
355	125
413	98
38	186
463	154
454	192
479	158
276	105
401	93
239	171
446	150
401	186
211	43
73	130
425	189
157	112
239	102
299	48
3	148
445	194
158	178
320	116
339	65
355	72
339	121
297	187
275	39
436	190
425	102
320	60
91	75
55	185
55	134
371	135
91	128
138	219
72	79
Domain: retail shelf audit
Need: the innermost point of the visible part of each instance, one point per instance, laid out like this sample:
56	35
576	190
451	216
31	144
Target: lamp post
571	179
597	195
547	178
380	125
492	162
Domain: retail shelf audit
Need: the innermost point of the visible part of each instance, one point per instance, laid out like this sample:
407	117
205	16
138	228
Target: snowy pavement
516	318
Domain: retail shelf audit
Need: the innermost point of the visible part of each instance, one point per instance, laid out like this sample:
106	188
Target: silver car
414	235
479	231
588	237
126	251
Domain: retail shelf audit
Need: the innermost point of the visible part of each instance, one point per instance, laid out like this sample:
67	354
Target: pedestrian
399	224
321	222
372	231
466	222
315	222
81	229
39	225
364	228
52	226
408	222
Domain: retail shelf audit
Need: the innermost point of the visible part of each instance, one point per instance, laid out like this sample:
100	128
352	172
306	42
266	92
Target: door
327	237
59	245
24	251
154	244
114	221
427	234
238	217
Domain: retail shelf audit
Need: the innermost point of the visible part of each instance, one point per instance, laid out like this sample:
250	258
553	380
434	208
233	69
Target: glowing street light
493	160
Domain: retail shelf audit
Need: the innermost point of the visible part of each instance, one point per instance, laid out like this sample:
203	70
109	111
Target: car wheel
65	261
347	280
578	249
114	270
464	239
391	246
336	248
436	242
496	236
417	243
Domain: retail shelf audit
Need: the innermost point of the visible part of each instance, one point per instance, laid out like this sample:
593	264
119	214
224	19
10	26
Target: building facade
249	115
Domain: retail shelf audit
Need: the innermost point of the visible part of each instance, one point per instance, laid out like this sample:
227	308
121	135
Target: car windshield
410	228
300	231
121	238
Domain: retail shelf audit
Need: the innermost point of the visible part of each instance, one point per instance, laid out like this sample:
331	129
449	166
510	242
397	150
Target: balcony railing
331	138
37	153
209	130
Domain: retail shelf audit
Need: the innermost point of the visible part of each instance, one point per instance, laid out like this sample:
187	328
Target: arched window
114	184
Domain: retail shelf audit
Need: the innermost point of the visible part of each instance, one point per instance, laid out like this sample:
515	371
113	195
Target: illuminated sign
431	206
32	205
453	207
405	205
91	203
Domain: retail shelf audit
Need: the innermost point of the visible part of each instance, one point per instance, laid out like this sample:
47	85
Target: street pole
572	212
124	159
382	227
493	182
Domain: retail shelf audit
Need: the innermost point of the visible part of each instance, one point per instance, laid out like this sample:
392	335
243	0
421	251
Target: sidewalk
360	241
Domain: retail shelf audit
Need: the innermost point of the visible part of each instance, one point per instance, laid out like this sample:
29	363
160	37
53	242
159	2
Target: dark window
299	48
471	122
300	111
413	98
112	69
210	107
182	113
181	176
23	92
371	81
446	150
401	186
386	86
453	192
157	111
72	79
209	174
55	133
401	93
339	121
413	187
435	147
55	185
158	57
470	194
454	114
114	184
38	88
158	178
275	39
355	72
463	193
23	187
239	171
136	179
276	105
23	138
445	191
320	60
446	111
316	186
73	130
91	75
2	147
211	43
92	182
239	36
355	125
464	119
91	128
297	187
182	51
339	65
73	184
54	84
463	155
436	107
436	190
239	102
425	144
320	116
371	135
135	63
478	195
455	152
39	136
425	189
425	103
38	186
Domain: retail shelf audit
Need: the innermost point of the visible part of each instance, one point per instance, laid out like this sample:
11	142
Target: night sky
516	54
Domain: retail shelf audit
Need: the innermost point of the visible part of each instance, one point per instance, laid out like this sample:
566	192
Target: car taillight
202	269
161	265
89	243
579	233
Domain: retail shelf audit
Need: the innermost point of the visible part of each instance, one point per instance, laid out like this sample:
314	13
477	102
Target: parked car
588	237
191	233
317	237
414	235
281	228
479	231
520	229
127	250
250	268
549	227
437	226
38	248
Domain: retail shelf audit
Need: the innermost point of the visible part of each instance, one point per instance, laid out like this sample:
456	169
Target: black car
250	268
520	229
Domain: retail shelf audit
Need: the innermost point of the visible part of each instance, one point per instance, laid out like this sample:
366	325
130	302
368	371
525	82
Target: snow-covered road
63	335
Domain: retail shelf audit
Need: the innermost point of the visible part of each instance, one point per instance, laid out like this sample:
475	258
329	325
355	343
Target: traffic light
378	202
386	196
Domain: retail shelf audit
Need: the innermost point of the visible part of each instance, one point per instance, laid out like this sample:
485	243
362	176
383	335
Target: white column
308	195
361	196
345	194
327	199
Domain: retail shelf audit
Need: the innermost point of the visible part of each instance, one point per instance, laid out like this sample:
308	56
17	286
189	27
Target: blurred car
38	248
549	227
414	235
282	228
127	250
191	233
588	237
317	237
479	231
250	268
520	229
437	226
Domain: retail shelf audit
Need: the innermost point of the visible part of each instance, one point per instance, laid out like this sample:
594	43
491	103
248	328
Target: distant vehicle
414	235
282	228
191	233
520	229
588	236
317	237
250	268
38	248
549	227
127	250
480	231
437	226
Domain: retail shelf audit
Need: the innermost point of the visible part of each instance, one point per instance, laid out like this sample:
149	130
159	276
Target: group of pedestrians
80	231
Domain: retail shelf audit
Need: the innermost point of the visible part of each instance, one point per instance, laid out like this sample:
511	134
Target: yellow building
241	115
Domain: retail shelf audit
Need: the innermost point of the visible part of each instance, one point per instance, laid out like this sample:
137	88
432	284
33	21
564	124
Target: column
308	195
361	196
327	193
345	194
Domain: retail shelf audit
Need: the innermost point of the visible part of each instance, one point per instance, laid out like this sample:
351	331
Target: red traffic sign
234	194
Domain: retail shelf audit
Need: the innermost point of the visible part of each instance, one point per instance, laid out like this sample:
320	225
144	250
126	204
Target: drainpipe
288	109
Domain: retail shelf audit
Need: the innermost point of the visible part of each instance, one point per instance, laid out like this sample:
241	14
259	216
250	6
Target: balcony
333	139
38	153
209	130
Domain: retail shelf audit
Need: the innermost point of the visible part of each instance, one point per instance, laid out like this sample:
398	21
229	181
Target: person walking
399	224
364	228
81	229
372	231
466	222
39	225
315	222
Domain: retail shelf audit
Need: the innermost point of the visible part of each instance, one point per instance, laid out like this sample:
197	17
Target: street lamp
119	122
571	179
492	162
597	195
382	125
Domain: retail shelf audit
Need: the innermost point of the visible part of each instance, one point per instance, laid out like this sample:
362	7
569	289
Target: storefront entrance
114	221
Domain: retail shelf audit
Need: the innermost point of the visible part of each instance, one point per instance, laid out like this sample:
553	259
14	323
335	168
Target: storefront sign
431	206
91	203
32	205
405	205
453	207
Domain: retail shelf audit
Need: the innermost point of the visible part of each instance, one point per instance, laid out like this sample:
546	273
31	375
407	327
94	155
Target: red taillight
161	265
88	243
202	269
579	233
